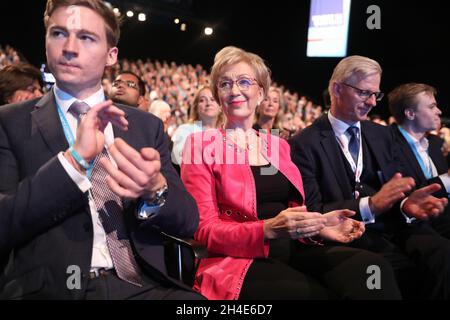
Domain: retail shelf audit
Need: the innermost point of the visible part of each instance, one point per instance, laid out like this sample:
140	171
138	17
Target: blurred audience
161	109
19	82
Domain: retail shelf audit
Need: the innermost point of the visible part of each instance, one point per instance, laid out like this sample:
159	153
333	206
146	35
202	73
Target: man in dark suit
348	162
81	210
416	112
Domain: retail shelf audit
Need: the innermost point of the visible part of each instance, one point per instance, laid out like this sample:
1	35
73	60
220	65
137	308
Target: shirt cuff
81	181
367	216
408	219
445	178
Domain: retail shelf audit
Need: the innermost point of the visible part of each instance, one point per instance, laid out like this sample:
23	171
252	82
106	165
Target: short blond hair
351	67
233	55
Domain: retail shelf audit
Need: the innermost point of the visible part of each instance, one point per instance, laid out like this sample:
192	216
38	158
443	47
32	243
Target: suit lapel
125	135
333	151
45	118
408	153
378	150
435	152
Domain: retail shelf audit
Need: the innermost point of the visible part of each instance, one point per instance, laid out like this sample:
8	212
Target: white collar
423	143
339	126
65	100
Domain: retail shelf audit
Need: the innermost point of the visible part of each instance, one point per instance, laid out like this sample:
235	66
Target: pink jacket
226	197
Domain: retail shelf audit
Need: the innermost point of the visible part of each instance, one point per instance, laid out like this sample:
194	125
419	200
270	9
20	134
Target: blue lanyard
68	133
66	127
426	171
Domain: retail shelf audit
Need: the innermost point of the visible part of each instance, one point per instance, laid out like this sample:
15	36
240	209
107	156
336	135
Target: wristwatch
148	208
160	196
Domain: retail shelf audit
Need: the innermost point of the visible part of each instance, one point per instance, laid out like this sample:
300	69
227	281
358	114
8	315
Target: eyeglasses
366	94
243	83
129	83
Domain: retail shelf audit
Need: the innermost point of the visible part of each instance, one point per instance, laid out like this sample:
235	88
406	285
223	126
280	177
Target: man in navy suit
86	186
416	112
348	162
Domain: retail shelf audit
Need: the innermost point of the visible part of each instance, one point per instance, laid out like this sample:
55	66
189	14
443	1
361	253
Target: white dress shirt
343	138
100	253
422	148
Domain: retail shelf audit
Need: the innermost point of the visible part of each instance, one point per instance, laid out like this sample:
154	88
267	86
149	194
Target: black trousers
442	223
111	287
270	279
346	271
419	255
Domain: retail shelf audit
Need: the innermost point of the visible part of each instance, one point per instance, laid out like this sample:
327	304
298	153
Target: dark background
411	45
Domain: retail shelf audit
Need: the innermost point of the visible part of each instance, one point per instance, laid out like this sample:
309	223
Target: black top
272	192
272	196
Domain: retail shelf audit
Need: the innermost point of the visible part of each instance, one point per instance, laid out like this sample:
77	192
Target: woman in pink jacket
250	199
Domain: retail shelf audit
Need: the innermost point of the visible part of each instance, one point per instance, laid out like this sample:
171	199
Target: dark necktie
353	145
110	210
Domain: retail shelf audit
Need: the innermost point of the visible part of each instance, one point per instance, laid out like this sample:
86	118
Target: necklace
243	139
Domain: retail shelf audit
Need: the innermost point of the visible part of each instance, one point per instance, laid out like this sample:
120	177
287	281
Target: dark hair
17	77
404	97
112	23
141	83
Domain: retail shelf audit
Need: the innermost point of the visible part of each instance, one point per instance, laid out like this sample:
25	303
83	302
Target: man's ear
112	56
410	114
336	89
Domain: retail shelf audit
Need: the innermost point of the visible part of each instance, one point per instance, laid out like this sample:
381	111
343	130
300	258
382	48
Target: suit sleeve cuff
367	216
80	180
445	178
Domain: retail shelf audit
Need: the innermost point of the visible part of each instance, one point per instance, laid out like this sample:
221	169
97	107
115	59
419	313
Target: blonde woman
205	114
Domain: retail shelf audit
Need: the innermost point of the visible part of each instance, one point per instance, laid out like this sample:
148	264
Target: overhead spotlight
209	31
116	11
177	21
183	27
142	17
130	14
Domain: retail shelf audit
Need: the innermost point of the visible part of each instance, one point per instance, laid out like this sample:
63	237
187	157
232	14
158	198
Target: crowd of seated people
254	239
178	85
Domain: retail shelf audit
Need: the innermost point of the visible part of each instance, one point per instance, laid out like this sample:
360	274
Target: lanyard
357	168
427	171
68	133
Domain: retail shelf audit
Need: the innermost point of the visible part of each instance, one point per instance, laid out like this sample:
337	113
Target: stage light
183	27
142	17
177	21
209	31
130	14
